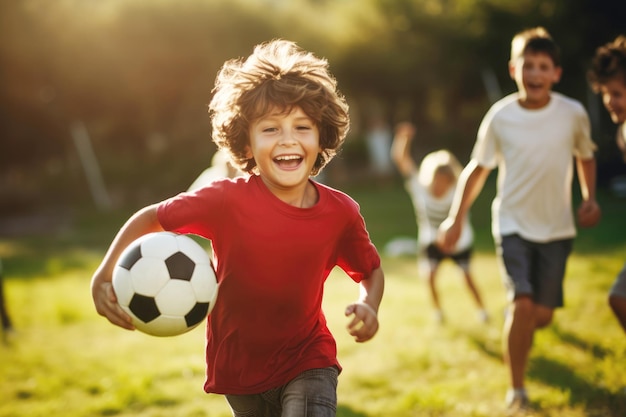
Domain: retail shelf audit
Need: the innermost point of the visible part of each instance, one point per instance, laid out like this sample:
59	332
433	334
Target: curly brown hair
278	75
609	62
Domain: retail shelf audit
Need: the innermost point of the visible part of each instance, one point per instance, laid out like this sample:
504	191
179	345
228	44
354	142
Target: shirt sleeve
196	212
485	149
584	147
358	256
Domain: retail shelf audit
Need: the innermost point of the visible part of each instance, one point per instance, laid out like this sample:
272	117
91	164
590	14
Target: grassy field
65	360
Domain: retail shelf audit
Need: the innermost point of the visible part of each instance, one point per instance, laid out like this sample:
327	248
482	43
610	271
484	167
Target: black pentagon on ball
197	313
144	308
180	266
130	257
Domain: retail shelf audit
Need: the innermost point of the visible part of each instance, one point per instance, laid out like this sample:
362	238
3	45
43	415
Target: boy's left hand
364	324
588	213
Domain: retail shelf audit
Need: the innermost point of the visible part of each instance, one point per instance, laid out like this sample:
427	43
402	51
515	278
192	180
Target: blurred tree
139	73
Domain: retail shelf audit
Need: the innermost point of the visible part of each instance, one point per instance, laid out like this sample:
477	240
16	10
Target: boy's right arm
469	186
143	222
401	149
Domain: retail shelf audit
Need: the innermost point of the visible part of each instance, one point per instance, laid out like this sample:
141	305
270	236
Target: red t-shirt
271	260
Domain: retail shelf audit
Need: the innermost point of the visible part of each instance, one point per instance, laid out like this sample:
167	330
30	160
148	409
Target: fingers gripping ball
166	283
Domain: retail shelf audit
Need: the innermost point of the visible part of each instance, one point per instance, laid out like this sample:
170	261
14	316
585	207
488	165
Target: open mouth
288	161
533	86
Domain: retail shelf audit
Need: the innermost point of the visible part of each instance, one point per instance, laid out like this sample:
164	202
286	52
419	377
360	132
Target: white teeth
287	157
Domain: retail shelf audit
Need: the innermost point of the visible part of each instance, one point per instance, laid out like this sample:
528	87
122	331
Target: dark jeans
313	393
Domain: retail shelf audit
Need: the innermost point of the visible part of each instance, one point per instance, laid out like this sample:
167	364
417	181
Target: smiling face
285	147
613	94
534	73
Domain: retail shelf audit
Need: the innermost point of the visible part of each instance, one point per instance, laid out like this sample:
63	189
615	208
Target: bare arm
621	140
401	149
588	213
470	184
141	223
364	324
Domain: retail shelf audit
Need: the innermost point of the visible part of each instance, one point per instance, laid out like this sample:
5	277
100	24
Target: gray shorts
534	269
619	286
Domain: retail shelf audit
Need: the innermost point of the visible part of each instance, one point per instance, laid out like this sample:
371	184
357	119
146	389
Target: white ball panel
159	245
176	298
214	299
203	282
149	275
122	285
165	326
192	249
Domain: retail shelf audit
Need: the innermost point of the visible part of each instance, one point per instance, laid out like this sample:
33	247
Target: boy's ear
512	70
558	71
248	152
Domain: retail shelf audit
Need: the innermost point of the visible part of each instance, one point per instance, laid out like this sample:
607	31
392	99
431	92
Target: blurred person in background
607	77
378	141
431	188
7	326
221	167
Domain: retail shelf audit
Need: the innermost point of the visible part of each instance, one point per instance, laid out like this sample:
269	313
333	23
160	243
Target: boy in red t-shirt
276	236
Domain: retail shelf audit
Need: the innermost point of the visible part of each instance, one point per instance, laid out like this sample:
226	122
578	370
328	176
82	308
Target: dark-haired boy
532	137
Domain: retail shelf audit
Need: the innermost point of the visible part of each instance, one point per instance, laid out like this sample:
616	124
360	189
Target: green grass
65	360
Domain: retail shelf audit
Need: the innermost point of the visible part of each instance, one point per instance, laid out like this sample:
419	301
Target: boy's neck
305	196
534	104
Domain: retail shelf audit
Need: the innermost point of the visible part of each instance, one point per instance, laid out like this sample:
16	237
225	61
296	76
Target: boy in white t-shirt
431	188
532	137
608	78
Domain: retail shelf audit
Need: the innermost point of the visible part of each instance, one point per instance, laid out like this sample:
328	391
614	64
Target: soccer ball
166	283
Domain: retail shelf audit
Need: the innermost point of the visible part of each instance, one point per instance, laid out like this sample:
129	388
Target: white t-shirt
534	150
430	211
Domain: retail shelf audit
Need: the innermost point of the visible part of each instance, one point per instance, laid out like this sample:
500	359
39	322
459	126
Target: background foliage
139	73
